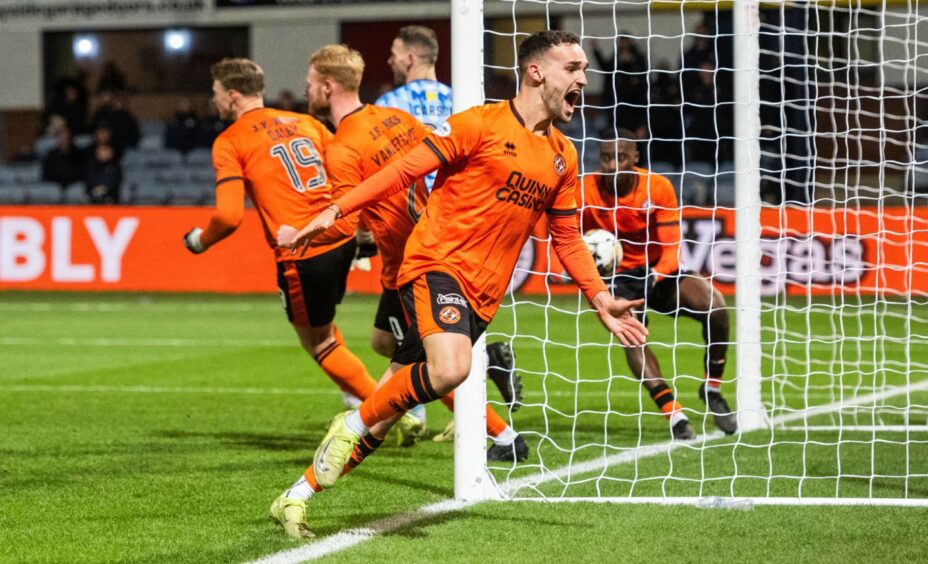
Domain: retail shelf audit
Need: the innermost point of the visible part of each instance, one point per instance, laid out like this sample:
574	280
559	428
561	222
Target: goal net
794	136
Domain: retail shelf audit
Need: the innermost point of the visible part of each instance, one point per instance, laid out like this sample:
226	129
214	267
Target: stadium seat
155	128
127	193
7	175
76	194
186	194
44	144
12	195
202	175
151	142
43	193
83	141
162	158
200	158
171	175
29	172
151	194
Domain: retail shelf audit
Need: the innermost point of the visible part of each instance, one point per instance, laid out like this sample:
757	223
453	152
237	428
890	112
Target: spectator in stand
210	128
103	175
183	129
64	164
111	79
69	101
700	52
699	110
114	112
625	86
665	120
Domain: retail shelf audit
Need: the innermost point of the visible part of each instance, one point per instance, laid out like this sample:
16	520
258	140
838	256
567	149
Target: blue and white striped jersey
429	101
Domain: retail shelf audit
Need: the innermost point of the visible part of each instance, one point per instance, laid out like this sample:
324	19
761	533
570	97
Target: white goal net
794	137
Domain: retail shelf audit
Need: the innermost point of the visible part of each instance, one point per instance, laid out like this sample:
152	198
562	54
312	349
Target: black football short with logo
434	303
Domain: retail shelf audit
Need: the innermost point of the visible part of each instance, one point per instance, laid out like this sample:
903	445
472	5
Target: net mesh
844	273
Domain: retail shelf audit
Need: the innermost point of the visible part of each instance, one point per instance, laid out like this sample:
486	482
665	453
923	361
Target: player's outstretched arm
230	209
616	315
386	182
619	318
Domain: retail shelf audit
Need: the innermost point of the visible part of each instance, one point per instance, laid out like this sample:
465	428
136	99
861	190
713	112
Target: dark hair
539	43
619	134
422	39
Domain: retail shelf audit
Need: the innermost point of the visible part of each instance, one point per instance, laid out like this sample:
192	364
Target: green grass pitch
158	428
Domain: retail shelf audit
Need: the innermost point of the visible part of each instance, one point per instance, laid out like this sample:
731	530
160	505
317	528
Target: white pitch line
90	388
353	537
167	342
168	390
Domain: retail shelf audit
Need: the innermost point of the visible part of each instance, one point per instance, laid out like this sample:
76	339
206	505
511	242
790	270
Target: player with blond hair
276	158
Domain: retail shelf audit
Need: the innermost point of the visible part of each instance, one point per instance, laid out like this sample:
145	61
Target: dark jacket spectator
69	101
114	113
111	79
64	164
103	175
183	129
626	83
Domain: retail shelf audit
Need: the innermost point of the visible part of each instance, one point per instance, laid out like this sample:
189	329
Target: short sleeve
457	138
664	201
226	162
565	199
342	164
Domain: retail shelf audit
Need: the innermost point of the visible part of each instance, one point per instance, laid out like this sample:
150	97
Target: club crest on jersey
449	315
443	130
560	165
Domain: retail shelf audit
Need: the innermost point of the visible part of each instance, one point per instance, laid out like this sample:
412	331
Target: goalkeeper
640	208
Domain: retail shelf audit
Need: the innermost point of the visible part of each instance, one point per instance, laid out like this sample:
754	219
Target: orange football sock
346	370
663	397
408	387
310	476
495	423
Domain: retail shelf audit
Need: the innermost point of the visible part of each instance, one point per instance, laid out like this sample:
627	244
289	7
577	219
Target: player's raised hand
618	316
316	227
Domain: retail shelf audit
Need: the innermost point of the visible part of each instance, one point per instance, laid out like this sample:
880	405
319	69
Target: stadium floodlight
85	46
177	41
805	214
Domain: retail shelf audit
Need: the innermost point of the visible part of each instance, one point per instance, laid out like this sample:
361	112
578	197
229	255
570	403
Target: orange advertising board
815	250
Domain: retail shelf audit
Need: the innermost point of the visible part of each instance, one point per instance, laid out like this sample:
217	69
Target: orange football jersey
633	218
278	155
496	181
367	140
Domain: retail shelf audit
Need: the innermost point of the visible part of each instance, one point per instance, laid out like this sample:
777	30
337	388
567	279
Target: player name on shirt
398	141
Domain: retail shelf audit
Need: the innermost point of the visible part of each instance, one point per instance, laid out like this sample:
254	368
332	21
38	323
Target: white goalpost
794	135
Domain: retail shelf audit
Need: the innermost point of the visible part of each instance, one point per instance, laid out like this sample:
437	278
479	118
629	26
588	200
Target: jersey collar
521	121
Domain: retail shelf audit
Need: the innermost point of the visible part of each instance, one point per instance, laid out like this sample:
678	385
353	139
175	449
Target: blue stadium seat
151	194
202	175
187	194
44	144
83	141
43	193
29	172
200	158
7	175
76	194
12	194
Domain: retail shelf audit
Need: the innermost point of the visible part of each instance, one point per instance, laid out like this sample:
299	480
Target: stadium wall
139	249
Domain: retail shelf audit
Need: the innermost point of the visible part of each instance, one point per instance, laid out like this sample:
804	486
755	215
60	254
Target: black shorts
633	284
390	316
311	288
434	303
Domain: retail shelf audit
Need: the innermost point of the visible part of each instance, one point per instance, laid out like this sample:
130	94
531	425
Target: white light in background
85	46
177	41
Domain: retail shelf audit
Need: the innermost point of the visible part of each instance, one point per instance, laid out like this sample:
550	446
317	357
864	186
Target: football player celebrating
640	208
276	157
462	253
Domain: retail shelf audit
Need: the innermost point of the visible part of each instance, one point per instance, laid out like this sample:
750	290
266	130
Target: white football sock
355	424
300	489
418	412
506	437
